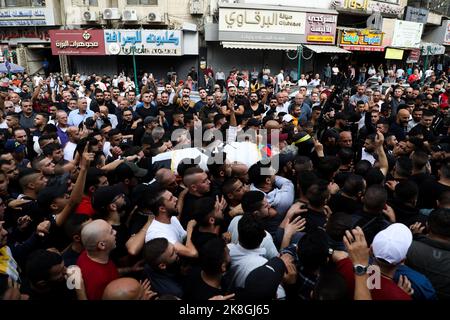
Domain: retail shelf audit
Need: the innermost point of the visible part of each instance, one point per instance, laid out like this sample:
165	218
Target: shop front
24	37
260	35
118	50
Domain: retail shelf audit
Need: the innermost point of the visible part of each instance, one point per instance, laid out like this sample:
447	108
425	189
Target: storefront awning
259	45
317	48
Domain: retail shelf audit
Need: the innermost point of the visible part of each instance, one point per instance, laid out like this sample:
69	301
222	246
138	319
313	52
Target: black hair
318	193
353	185
251	201
362	167
439	222
374	176
251	232
212	256
255	175
337	224
346	155
153	250
203	208
306	179
375	198
39	263
406	191
312	250
327	167
50	148
403	166
74	224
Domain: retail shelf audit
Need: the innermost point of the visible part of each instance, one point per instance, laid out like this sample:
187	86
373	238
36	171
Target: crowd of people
349	199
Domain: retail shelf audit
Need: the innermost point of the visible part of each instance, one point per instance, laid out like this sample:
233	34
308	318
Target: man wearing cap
18	152
389	249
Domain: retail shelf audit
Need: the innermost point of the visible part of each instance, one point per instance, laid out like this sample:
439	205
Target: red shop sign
77	42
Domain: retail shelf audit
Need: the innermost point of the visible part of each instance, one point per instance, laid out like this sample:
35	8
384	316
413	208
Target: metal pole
135	72
299	51
425	65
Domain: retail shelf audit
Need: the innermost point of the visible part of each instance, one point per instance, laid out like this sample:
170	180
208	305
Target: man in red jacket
444	98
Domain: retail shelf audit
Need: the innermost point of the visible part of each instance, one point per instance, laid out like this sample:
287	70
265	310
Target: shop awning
259	45
431	49
317	48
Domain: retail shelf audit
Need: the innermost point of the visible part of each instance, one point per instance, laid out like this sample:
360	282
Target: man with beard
162	267
202	102
416	117
108	102
208	108
46	275
98	101
233	102
98	270
209	216
115	96
166	225
425	127
400	126
166	108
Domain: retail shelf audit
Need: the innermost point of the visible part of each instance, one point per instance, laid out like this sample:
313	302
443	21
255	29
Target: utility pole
133	49
299	53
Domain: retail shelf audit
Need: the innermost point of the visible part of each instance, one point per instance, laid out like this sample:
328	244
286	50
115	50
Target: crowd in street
348	200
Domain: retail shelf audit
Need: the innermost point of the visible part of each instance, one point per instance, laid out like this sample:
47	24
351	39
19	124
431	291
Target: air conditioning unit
90	16
111	14
129	15
154	17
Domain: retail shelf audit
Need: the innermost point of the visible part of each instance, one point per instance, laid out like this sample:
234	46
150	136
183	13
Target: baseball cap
137	171
287	118
231	85
150	119
48	194
12	145
262	283
129	170
392	243
104	196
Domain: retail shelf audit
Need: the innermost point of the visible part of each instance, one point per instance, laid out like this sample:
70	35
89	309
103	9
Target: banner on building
77	42
27	17
143	42
447	34
407	34
394	54
361	40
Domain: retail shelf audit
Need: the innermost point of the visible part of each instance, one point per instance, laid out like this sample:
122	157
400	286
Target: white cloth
302	82
172	231
367	156
3	125
69	151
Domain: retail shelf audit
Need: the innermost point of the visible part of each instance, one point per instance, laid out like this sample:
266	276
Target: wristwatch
360	269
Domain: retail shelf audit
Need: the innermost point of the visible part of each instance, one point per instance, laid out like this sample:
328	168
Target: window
22	3
142	2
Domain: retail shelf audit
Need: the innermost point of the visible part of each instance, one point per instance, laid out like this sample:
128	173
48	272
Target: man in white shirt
280	79
74	137
166	224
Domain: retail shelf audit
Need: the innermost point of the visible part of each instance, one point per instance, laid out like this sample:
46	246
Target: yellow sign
356	4
394	54
363	37
320	38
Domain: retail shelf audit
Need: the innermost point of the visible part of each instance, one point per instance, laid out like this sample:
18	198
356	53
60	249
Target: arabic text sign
77	42
320	27
261	21
143	42
360	5
361	37
26	17
407	34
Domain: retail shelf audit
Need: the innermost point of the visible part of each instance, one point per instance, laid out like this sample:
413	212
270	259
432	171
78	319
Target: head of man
427	118
20	136
146	98
186	92
46	271
299	98
369	143
115	93
232	92
161	255
40	120
197	181
131	97
255	203
206	214
165	97
45	165
9	167
361	90
167	179
375	199
27	107
32	181
234	189
262	176
98	238
124	289
398	92
345	139
417	114
82	104
115	137
54	152
403	117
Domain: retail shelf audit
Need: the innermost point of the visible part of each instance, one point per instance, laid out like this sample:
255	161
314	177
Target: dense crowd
107	191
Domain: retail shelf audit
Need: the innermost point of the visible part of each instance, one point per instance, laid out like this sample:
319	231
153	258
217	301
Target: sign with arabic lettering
27	17
416	14
276	26
361	39
24	35
320	28
143	42
77	42
352	5
407	34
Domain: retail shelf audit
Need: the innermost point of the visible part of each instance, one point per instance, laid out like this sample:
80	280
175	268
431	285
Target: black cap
262	283
104	196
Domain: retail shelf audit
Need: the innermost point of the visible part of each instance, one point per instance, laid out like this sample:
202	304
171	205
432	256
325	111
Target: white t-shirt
400	73
303	82
69	151
173	231
280	78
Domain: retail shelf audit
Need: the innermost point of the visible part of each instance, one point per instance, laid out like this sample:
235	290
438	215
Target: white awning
259	45
317	48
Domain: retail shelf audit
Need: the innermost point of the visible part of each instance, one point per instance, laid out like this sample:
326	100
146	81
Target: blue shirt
75	118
